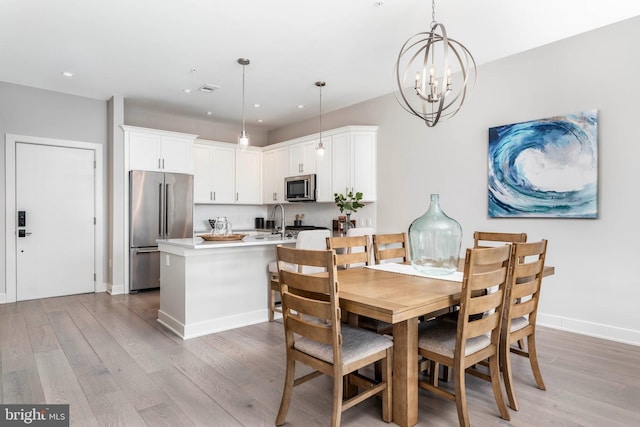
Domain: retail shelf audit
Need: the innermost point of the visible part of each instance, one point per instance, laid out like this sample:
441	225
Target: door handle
23	233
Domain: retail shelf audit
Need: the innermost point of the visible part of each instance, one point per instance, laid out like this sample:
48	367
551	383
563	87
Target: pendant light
320	146
243	138
437	94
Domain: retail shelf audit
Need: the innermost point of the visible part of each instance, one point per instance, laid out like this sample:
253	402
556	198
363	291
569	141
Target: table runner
393	267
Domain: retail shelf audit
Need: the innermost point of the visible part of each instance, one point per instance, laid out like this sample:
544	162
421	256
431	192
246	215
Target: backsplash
242	216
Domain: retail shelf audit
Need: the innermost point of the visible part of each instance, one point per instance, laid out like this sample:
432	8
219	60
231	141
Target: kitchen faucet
273	215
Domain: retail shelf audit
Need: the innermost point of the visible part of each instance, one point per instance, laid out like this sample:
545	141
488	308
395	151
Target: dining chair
315	336
351	251
521	308
484	239
390	247
306	239
465	343
488	239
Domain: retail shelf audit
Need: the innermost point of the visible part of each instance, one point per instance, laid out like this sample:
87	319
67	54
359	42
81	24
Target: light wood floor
115	365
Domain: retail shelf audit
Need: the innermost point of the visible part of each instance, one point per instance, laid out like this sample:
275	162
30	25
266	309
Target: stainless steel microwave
301	188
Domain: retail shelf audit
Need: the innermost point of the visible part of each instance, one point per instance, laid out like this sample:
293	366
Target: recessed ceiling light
256	105
186	90
300	106
67	73
209	113
260	121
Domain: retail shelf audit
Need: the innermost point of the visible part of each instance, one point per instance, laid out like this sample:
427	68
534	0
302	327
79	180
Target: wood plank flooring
116	366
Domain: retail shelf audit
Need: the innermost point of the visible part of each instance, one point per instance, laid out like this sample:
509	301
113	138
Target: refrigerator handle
160	221
166	212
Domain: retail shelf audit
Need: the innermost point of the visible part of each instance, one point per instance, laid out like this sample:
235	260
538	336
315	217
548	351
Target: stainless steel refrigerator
160	207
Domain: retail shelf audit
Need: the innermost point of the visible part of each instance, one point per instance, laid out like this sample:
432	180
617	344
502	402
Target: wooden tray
214	238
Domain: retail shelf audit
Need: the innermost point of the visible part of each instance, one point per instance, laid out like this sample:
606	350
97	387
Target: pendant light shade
243	138
320	146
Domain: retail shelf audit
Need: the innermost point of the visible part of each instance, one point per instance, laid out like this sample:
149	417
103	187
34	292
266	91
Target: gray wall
143	116
595	290
35	112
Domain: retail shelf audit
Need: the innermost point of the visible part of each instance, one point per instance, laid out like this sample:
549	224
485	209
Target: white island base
208	287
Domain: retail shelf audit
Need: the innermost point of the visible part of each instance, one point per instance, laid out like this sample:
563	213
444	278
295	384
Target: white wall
595	289
35	112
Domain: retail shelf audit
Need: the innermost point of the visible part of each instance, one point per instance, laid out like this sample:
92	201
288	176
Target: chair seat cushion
356	344
518	323
440	337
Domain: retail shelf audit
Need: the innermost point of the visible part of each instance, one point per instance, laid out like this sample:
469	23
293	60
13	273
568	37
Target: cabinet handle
162	163
275	196
214	195
159	163
237	197
300	167
210	195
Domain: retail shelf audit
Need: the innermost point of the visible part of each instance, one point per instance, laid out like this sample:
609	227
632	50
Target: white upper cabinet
348	164
158	150
302	158
248	177
276	168
214	174
354	163
324	178
226	175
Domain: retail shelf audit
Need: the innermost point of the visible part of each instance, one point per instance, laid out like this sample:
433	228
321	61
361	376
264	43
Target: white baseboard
597	330
195	330
116	289
101	287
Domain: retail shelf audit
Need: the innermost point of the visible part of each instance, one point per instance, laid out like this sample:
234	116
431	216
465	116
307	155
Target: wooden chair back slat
392	246
350	250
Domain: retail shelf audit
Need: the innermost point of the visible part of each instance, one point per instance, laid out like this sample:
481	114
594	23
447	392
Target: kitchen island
207	287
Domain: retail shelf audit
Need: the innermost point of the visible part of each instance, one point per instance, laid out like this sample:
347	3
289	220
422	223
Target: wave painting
545	168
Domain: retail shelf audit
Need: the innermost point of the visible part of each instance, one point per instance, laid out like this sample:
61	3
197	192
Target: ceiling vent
208	88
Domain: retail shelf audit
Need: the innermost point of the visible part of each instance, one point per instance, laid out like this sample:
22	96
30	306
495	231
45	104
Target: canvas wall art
545	168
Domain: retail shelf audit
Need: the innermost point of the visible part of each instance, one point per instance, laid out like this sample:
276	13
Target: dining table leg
405	372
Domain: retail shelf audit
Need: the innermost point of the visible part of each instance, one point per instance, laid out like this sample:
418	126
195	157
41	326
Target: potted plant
348	204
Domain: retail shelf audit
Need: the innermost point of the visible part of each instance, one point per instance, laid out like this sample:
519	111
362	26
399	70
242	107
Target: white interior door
55	188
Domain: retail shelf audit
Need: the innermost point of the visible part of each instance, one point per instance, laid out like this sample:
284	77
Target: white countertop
199	243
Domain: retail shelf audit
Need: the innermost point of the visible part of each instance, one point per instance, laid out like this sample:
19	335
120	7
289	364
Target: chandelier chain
433	12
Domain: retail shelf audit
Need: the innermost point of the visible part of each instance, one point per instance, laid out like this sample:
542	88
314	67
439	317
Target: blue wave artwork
545	168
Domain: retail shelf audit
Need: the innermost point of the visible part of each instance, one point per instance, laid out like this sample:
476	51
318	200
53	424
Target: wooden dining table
399	299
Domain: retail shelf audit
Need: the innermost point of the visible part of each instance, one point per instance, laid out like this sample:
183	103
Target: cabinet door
324	179
248	172
276	167
145	151
302	158
177	154
363	150
202	174
223	168
341	157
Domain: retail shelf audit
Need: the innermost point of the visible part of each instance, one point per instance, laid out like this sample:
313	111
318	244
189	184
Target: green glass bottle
434	241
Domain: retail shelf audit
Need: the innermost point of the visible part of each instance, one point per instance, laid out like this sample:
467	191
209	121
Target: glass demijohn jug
434	241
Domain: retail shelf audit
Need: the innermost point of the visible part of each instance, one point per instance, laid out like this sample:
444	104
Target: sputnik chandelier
436	91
